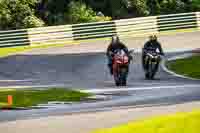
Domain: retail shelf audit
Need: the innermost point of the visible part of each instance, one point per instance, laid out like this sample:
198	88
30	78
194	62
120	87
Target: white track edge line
136	88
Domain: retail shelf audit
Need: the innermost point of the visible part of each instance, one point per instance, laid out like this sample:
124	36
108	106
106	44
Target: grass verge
27	98
187	67
13	50
178	123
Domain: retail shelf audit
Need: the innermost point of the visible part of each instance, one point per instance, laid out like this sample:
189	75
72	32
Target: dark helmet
115	39
153	38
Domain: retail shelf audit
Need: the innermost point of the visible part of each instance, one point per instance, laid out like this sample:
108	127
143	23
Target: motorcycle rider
152	45
115	45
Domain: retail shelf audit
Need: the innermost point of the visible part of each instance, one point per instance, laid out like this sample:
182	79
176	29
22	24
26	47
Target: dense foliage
15	14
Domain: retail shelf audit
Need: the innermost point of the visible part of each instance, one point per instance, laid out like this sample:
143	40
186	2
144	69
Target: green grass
187	67
13	50
26	98
178	123
3	104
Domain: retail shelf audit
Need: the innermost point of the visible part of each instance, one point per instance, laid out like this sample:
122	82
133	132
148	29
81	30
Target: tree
14	12
139	7
118	8
52	11
79	12
32	21
154	7
195	5
172	6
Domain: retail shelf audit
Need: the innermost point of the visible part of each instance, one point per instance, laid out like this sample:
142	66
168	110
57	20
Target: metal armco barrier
177	21
50	35
198	19
93	30
134	27
14	38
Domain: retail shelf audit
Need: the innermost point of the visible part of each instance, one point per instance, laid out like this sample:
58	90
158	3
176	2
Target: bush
33	21
101	18
15	13
139	7
172	6
195	5
79	12
52	11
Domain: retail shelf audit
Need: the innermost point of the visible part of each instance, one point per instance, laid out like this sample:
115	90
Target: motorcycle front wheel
123	76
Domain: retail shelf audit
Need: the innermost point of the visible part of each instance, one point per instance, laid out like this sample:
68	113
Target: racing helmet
153	37
115	39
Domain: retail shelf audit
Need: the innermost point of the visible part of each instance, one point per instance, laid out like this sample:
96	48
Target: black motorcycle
152	60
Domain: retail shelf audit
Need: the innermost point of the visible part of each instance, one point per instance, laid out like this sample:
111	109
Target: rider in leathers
153	45
114	45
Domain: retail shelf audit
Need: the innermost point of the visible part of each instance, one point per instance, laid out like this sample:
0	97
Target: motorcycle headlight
125	59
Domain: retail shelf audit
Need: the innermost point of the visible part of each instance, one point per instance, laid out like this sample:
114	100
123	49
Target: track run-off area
83	67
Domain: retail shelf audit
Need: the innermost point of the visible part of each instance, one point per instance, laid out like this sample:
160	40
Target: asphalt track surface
89	71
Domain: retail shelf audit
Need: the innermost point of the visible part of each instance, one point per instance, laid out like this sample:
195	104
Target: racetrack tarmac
86	70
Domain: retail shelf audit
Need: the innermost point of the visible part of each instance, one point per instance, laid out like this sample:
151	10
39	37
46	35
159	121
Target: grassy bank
178	123
26	98
187	67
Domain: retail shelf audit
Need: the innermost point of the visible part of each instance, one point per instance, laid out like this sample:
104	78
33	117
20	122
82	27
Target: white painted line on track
27	80
103	90
139	88
182	56
32	86
143	82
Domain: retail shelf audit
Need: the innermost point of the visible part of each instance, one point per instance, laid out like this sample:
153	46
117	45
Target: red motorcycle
120	66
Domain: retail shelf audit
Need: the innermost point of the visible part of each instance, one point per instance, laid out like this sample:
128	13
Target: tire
124	77
147	75
117	83
148	72
152	75
124	83
153	71
123	80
